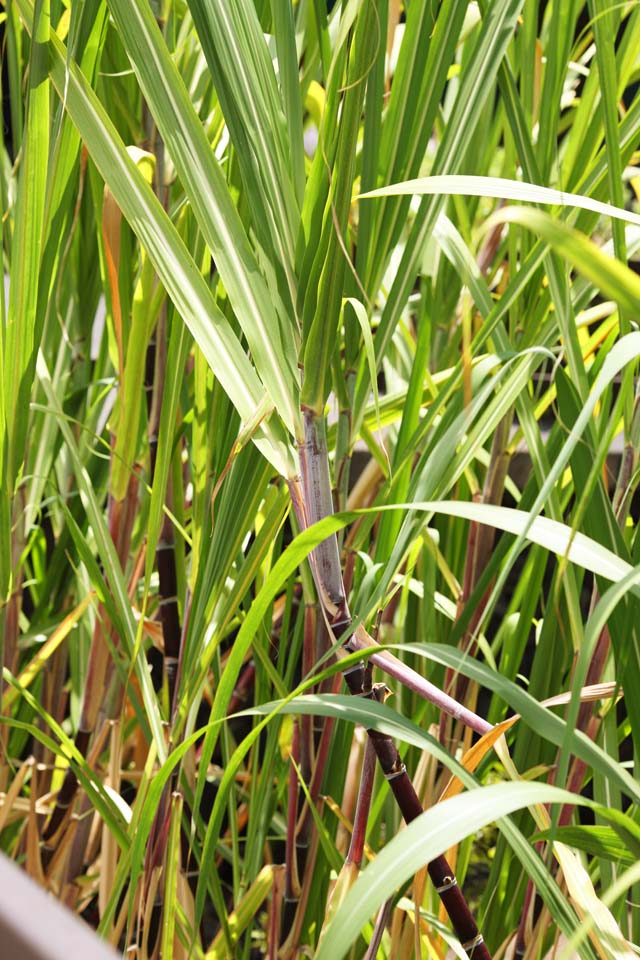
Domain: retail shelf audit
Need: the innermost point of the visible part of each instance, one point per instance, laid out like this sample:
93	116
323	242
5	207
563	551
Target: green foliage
231	228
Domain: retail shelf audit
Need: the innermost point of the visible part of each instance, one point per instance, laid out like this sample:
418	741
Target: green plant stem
308	663
165	549
382	921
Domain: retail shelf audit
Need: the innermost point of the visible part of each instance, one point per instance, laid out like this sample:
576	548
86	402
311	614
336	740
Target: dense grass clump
318	384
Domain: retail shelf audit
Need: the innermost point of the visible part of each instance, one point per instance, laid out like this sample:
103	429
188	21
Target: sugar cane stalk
314	505
100	671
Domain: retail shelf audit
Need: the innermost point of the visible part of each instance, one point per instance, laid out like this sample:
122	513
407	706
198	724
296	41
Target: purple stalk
363	805
99	675
315	505
441	874
381	922
315	471
361	640
318	502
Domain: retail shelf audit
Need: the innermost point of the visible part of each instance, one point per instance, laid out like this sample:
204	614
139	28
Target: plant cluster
298	659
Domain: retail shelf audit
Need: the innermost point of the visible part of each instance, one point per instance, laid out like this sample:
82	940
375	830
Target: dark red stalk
315	504
165	549
381	922
100	671
292	881
363	805
440	872
308	663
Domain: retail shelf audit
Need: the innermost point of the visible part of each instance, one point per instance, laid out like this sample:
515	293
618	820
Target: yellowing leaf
478	751
285	737
47	650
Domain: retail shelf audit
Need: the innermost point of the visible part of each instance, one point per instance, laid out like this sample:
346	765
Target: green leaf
538	718
611	277
24	322
174	265
501	188
365	328
551	534
270	337
594	840
424	839
325	290
172	876
109	559
241	67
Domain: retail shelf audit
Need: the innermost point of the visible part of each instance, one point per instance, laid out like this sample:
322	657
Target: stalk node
447	884
400	772
353	669
472	944
340	625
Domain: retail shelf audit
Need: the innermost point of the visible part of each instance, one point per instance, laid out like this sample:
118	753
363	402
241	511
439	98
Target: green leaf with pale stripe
24	325
242	71
174	265
501	188
270	337
596	841
476	82
284	30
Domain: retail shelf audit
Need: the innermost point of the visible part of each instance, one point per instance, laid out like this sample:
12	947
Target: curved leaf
503	189
425	838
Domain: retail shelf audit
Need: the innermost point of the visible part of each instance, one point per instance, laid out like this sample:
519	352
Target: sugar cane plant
298	658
